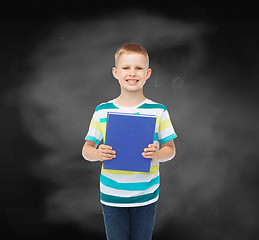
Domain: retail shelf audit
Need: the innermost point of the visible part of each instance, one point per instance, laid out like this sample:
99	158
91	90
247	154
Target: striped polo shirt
127	188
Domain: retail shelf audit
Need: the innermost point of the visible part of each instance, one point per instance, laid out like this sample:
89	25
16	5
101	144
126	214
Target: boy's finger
108	156
153	145
109	151
147	155
106	147
152	149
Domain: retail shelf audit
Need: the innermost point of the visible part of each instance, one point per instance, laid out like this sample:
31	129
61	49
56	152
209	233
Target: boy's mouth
132	81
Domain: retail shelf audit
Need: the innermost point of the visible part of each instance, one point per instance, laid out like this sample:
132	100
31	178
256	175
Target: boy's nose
132	73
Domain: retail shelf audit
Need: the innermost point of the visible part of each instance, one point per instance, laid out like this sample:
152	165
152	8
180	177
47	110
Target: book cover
128	134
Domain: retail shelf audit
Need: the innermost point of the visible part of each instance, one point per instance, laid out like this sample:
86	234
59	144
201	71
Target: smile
132	81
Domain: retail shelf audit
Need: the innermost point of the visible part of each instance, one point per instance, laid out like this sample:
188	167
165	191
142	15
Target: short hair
130	47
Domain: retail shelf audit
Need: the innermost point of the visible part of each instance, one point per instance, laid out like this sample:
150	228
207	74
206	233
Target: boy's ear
114	72
149	71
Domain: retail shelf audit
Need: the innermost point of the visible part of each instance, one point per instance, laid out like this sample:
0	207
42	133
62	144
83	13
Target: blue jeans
129	223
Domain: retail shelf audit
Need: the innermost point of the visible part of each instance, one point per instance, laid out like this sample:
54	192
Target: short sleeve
166	130
94	133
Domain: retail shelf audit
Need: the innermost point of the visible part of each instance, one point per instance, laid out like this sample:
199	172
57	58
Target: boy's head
131	66
129	48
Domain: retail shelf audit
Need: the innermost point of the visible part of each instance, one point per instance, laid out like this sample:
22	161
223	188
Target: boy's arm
167	152
90	153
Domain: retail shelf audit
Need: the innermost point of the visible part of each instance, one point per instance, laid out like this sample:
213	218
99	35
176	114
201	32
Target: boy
129	198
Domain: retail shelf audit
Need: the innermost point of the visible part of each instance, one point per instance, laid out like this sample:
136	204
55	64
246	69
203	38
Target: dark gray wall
55	72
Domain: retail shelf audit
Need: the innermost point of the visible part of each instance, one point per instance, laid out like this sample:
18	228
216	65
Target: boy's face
132	71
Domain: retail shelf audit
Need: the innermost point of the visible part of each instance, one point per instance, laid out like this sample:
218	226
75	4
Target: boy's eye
139	68
125	68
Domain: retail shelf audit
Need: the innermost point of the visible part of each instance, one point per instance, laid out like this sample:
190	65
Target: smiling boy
129	198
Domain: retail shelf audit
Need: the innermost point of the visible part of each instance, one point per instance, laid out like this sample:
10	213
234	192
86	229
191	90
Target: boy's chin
132	89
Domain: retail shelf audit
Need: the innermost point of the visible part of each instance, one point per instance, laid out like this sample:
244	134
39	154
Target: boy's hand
151	152
105	152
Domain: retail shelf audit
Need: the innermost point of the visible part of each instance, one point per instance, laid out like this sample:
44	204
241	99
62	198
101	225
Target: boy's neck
130	99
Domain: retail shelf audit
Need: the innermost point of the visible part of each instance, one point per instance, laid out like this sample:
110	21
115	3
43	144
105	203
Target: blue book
128	134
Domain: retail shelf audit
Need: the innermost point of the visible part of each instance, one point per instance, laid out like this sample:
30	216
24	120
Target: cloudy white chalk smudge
73	74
